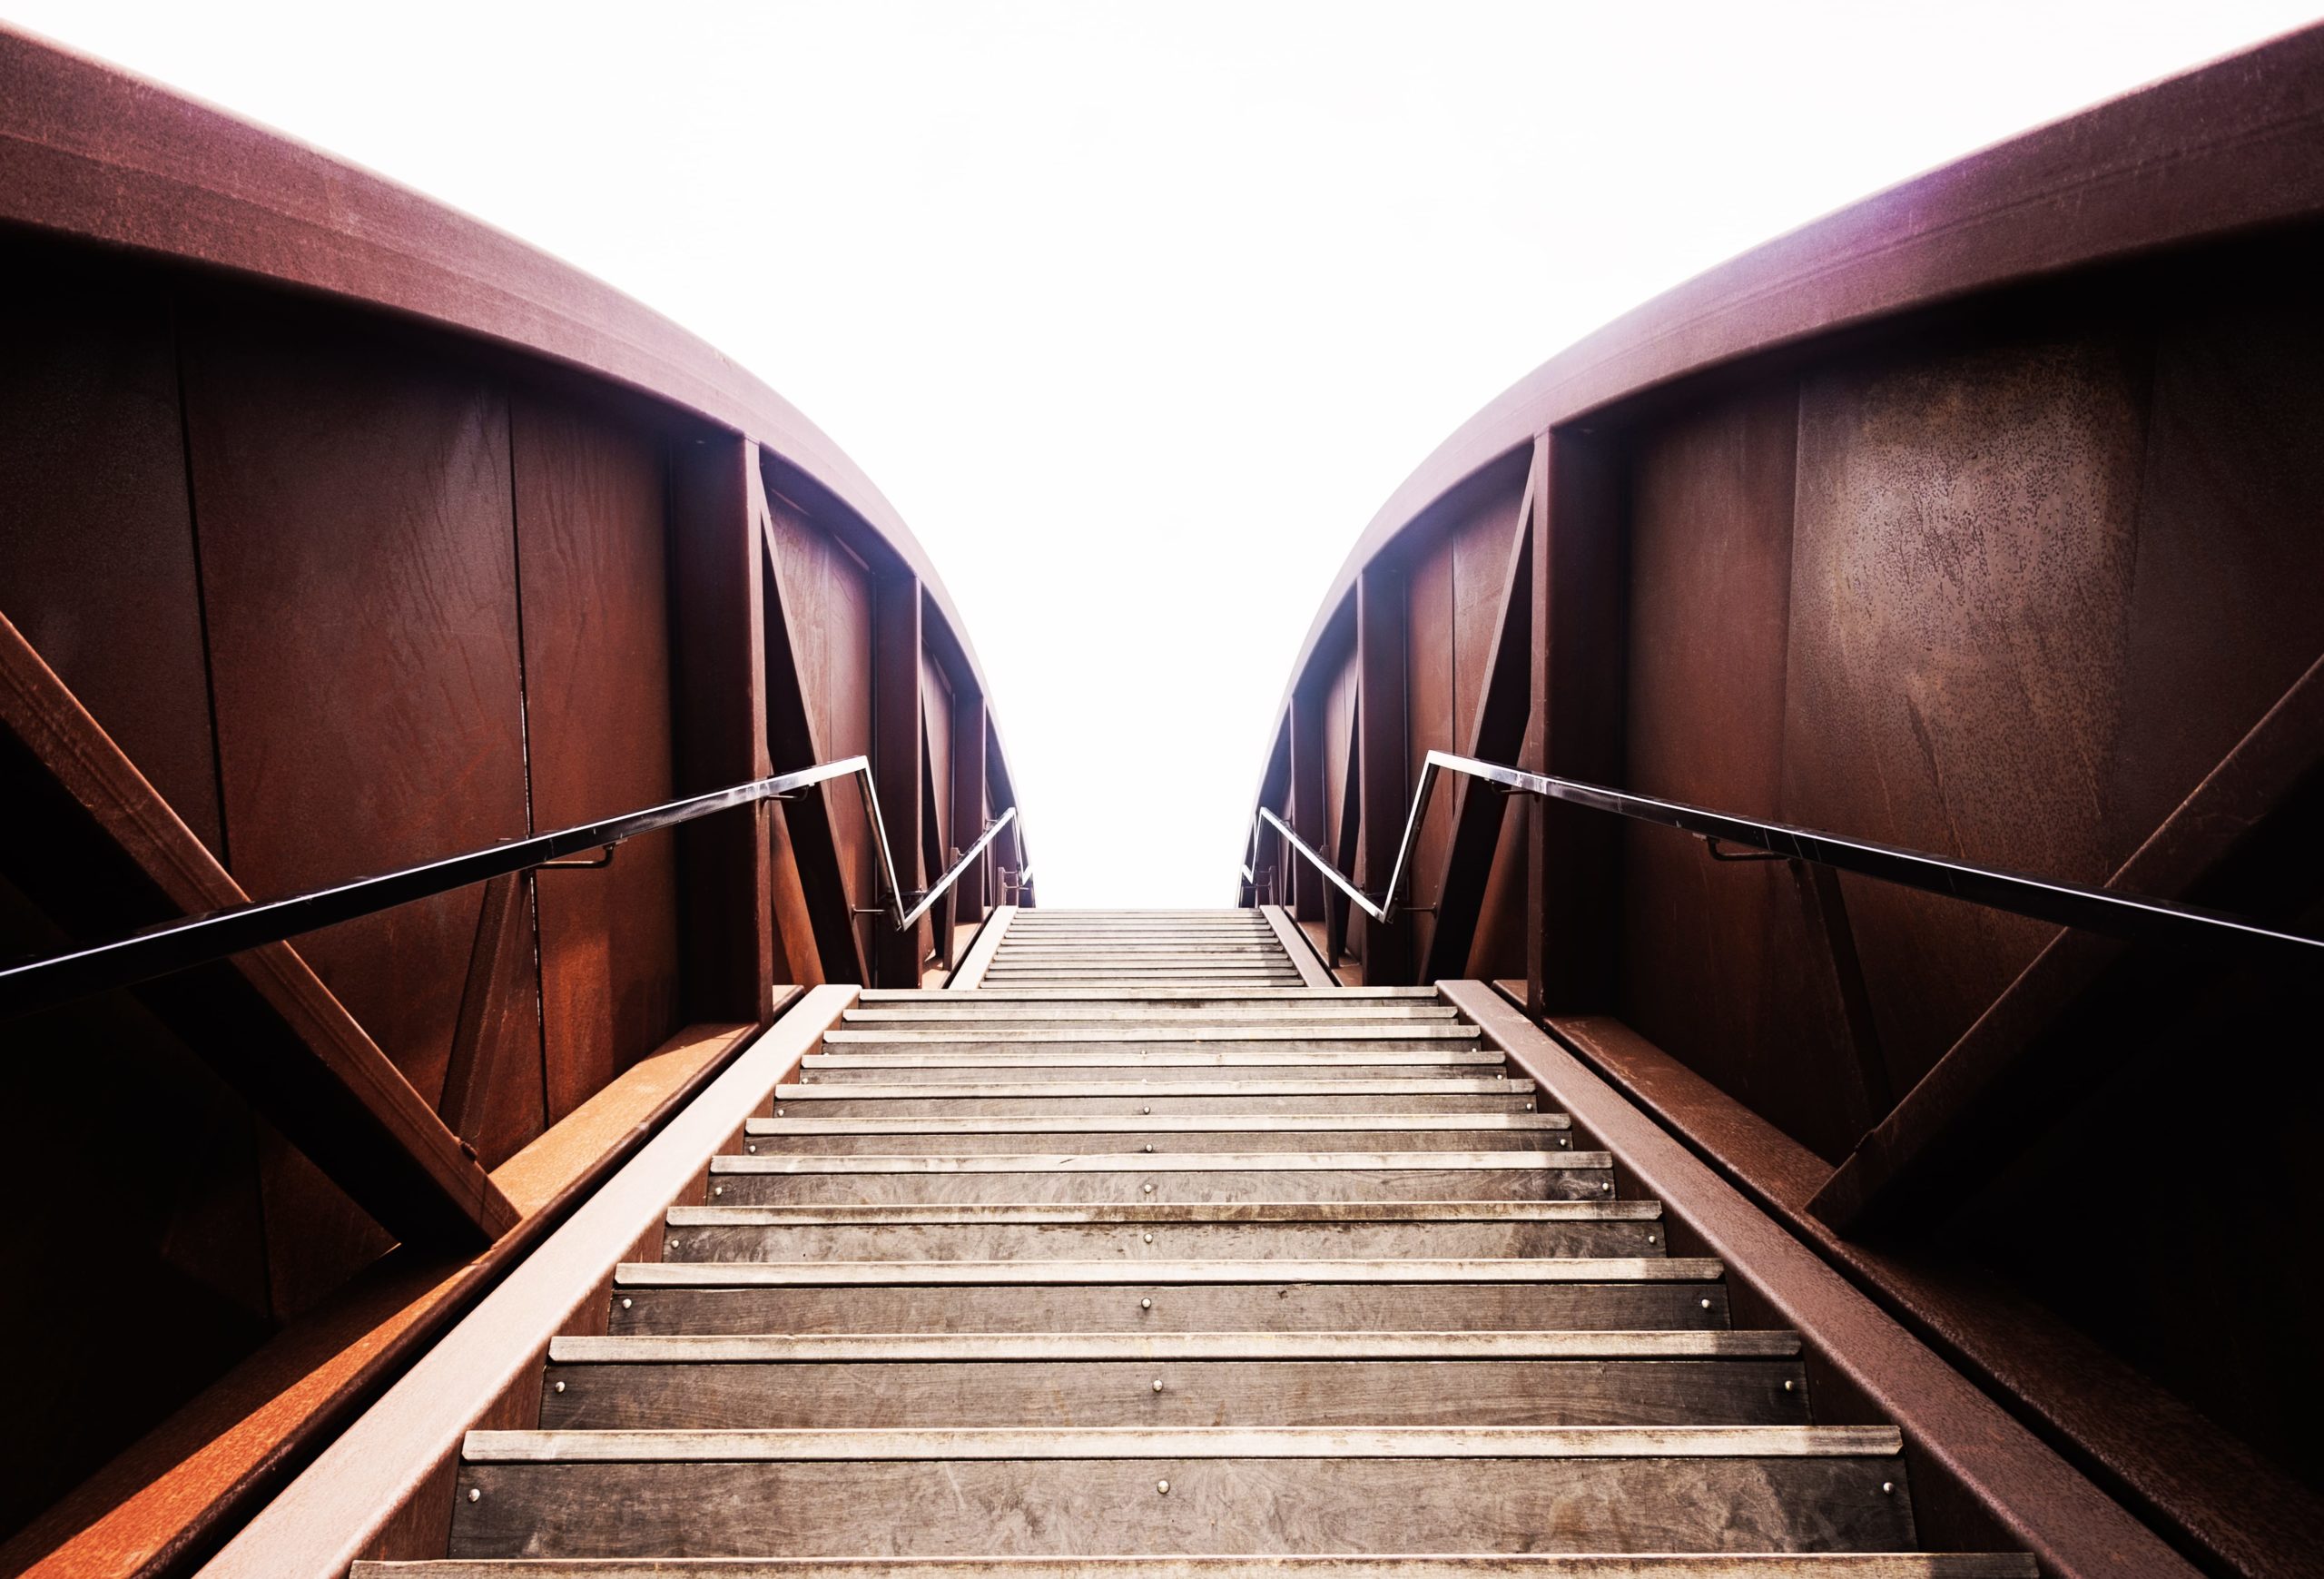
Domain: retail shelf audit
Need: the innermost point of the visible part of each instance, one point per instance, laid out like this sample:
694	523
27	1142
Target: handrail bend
190	941
2128	915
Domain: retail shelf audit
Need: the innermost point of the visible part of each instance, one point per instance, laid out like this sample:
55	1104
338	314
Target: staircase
1140	1251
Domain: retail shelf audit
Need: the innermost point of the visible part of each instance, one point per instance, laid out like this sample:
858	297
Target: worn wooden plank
855	1237
862	1185
1337	1035
1157	994
674	1393
1124	1304
851	1099
785	1349
1212	1505
956	1142
1193	1132
970	1014
1656	1268
1525	1565
1165	1162
1157	1072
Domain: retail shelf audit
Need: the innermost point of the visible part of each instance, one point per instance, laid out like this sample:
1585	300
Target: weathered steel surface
591	554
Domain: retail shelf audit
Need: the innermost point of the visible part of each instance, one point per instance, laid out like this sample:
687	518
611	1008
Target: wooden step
1164	1232
848	1099
1216	1490
963	1009
965	1381
1227	1176
1167	1052
1511	1565
1145	1136
1238	995
1162	1035
1155	1068
1630	1294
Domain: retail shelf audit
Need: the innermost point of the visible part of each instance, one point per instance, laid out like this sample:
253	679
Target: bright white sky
1138	312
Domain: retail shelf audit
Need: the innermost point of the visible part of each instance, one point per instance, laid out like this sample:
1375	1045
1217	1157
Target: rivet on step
1529	1107
1649	1238
1888	1488
1791	1386
751	1147
1157	1384
778	1113
476	1494
1146	1109
717	1189
1705	1305
1145	1304
1150	1189
1162	1486
1608	1186
1145	1148
1149	1238
559	1387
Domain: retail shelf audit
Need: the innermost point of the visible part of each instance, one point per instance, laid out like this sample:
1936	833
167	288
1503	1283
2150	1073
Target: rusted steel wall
1982	519
371	537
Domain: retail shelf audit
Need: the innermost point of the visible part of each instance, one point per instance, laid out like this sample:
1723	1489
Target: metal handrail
196	940
2129	916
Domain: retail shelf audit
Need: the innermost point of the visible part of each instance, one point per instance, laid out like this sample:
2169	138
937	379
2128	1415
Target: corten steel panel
936	721
1480	551
92	152
1498	951
591	551
1573	886
1458	584
1962	574
966	794
184	1232
828	592
1430	711
2225	611
96	538
1383	768
1339	738
2229	147
898	766
719	724
1722	962
352	502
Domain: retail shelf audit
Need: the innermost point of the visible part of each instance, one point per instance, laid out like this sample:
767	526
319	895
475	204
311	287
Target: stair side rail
2104	910
138	956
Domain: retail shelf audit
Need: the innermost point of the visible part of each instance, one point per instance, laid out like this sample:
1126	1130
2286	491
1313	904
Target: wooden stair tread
1183	1443
1385	1085
1086	1124
1134	1213
1479	1565
1400	1269
1143	1256
1160	1162
1051	1347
